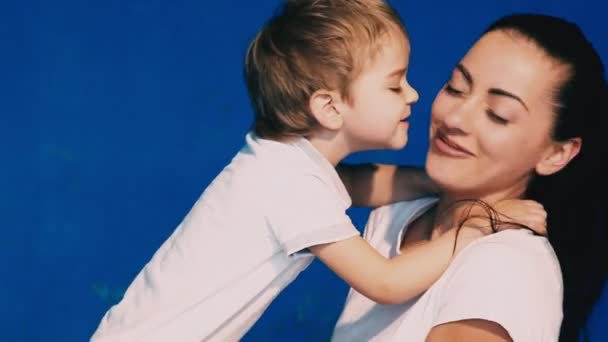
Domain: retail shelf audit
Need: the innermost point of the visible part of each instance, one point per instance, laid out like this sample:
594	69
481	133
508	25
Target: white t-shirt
511	278
243	242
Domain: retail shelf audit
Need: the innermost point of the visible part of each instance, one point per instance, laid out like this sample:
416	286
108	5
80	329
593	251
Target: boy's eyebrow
398	72
494	91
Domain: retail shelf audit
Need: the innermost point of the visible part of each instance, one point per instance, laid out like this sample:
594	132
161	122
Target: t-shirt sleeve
378	220
392	216
308	211
499	283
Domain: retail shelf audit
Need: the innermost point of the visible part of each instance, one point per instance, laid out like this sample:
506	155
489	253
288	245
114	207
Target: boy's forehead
391	54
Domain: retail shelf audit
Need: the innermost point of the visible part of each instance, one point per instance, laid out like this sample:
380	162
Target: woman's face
491	123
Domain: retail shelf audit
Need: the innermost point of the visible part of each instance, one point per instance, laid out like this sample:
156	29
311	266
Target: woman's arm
373	185
470	330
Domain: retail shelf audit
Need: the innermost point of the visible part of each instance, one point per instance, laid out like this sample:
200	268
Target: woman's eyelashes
496	117
453	90
492	115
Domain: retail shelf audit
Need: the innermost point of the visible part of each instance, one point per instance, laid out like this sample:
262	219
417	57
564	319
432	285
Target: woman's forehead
513	63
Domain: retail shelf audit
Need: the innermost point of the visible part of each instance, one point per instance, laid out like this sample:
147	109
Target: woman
520	117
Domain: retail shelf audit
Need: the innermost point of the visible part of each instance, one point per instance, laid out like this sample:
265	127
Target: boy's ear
558	156
324	106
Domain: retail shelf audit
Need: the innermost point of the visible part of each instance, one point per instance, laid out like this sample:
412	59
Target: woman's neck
452	208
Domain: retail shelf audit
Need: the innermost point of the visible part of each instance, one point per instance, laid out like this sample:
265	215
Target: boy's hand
512	213
525	212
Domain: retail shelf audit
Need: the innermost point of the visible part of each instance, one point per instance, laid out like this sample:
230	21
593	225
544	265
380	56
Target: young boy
326	79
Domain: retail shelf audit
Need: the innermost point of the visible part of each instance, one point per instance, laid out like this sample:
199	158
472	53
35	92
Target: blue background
116	114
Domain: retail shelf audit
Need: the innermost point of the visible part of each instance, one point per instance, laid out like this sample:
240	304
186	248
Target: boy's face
381	99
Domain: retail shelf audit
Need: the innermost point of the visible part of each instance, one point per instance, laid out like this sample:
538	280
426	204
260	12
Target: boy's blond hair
307	46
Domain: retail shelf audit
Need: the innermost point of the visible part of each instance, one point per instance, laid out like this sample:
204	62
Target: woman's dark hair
573	197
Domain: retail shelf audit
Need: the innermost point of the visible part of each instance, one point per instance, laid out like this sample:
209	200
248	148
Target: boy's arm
404	277
390	281
373	185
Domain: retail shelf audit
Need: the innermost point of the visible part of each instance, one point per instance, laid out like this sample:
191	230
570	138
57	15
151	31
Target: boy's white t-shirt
244	241
511	278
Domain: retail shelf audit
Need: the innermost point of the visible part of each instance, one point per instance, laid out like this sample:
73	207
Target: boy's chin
398	144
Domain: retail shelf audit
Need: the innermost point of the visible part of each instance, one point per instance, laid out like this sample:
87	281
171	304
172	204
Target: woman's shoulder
517	245
515	249
512	278
515	260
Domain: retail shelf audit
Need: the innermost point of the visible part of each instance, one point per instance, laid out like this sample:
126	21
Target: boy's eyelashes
395	89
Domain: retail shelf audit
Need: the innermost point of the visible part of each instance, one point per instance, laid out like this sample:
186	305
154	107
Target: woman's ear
558	156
